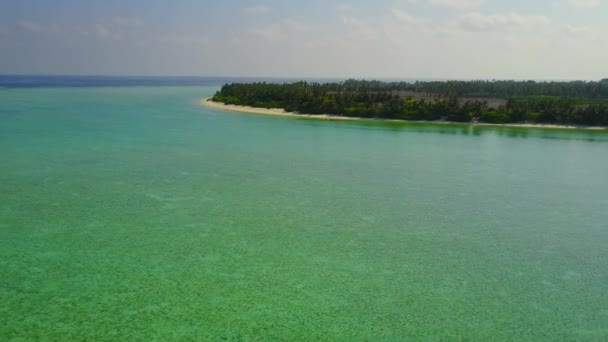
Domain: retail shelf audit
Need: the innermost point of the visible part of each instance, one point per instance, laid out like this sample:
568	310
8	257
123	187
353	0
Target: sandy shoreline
272	111
281	112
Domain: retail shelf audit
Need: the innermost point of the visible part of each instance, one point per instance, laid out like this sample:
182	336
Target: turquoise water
135	214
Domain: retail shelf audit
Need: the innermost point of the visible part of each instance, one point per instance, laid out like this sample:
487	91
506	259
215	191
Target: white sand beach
270	111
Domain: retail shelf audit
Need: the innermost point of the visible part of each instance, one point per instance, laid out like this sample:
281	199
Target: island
572	103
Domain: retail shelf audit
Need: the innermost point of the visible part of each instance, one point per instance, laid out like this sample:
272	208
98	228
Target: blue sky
521	39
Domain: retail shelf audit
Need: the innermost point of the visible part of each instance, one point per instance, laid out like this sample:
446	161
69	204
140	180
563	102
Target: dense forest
574	103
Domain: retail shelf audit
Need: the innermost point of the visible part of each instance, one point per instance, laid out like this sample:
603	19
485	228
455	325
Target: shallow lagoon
133	213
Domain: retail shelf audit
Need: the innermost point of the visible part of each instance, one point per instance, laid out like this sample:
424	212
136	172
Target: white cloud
343	7
30	26
280	31
459	4
356	31
258	9
297	26
584	3
272	33
33	27
107	33
349	20
578	30
490	22
186	40
127	22
404	17
117	28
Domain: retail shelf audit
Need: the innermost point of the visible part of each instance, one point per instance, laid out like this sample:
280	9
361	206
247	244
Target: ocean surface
130	212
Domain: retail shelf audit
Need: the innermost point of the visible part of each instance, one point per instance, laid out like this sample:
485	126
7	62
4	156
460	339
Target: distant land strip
575	104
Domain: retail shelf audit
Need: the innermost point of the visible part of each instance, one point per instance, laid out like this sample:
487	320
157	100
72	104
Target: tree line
576	103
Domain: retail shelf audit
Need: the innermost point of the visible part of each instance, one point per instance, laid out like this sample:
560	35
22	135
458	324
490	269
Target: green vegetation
574	103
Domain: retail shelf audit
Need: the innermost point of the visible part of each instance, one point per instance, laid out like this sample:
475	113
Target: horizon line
304	77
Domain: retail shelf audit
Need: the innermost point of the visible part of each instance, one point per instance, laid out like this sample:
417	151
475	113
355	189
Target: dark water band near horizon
46	81
39	81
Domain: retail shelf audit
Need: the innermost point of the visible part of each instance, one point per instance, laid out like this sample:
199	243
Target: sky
459	39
